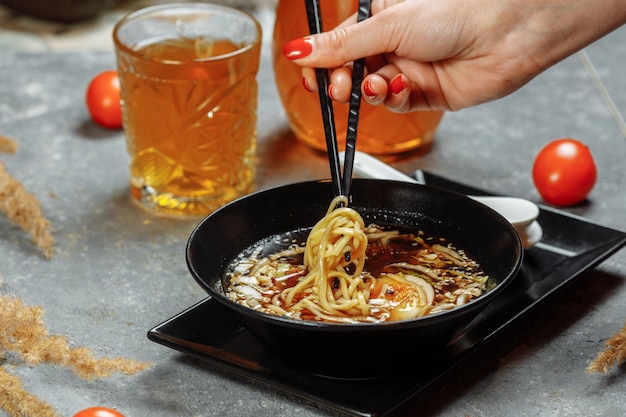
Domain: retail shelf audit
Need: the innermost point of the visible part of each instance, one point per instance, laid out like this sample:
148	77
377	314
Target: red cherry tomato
564	172
98	412
103	100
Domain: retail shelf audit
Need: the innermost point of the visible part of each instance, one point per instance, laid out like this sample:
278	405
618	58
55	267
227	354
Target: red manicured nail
306	85
367	89
298	48
330	92
397	84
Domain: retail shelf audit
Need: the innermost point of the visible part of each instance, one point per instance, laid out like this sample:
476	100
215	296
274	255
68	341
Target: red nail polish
306	86
330	92
397	84
367	89
298	48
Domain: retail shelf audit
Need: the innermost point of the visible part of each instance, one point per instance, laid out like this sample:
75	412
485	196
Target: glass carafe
381	132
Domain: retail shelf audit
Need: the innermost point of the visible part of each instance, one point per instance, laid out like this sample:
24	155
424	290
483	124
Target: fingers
374	89
340	83
384	87
388	86
345	43
341	78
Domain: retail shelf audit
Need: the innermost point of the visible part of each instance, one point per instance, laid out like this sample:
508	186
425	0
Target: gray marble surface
118	271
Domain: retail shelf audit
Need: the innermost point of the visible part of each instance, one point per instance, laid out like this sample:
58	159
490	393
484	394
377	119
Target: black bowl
355	350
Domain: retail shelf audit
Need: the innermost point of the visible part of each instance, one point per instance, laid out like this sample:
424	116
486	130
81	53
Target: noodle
348	272
337	241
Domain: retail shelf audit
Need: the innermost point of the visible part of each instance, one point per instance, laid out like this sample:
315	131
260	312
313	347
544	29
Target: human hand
451	54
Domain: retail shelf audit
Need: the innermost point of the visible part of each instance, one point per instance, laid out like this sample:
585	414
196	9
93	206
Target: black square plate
570	246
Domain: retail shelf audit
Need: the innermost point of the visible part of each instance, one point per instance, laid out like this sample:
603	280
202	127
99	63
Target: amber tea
189	105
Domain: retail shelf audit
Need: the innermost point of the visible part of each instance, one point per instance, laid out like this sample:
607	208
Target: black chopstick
328	118
340	186
358	71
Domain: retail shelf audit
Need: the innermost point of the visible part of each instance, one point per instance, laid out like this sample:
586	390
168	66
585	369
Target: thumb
339	46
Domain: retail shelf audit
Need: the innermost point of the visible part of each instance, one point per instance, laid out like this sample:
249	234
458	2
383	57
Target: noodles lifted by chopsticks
335	257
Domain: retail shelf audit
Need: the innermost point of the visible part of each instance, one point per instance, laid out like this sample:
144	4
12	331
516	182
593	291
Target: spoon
521	213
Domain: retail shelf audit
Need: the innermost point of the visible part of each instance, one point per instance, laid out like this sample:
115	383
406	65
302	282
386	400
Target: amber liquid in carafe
380	131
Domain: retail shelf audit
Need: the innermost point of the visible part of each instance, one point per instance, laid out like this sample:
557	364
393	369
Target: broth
406	275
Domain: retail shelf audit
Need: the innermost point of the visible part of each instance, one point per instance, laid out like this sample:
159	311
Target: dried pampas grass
23	333
22	330
22	207
614	353
8	145
17	402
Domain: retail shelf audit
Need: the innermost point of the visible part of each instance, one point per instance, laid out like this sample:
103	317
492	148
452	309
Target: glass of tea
381	132
189	98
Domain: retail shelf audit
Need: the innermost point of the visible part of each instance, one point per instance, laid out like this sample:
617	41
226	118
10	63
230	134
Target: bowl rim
431	319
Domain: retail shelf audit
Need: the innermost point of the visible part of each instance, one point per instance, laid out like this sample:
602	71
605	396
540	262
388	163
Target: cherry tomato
564	172
103	100
98	412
